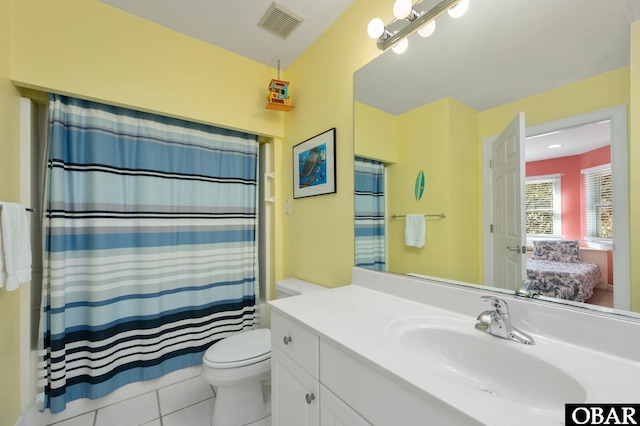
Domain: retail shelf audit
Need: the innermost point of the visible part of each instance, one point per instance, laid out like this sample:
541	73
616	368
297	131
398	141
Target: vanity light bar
385	43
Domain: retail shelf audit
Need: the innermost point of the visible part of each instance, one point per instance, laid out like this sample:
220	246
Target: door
507	177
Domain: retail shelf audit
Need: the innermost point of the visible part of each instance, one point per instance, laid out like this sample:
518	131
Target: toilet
239	365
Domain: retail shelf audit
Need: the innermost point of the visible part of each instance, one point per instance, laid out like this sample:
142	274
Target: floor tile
196	415
133	412
83	420
155	422
183	394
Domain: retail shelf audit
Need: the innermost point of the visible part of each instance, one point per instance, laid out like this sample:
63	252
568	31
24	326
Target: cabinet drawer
296	341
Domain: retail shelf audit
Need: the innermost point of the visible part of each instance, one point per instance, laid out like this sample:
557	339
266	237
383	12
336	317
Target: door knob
309	397
518	249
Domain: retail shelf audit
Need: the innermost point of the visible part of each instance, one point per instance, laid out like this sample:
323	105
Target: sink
497	367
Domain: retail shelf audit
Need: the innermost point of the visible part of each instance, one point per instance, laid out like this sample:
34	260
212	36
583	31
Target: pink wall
571	184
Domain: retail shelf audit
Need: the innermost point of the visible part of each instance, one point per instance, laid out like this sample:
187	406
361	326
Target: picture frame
314	165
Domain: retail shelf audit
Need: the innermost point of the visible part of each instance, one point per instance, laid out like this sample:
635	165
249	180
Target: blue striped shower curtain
370	249
150	246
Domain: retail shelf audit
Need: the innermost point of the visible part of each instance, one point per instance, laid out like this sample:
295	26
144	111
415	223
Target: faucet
524	291
497	323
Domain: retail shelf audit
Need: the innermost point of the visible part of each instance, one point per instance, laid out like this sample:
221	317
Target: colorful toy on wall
279	98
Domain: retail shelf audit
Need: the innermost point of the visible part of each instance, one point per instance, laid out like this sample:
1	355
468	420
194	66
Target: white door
507	180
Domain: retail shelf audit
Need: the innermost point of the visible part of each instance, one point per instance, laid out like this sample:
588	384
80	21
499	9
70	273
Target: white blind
542	206
598	209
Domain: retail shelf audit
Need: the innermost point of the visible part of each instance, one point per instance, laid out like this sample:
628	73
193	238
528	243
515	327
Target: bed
555	270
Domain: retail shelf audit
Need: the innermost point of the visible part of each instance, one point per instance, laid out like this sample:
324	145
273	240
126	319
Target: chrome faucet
497	323
524	291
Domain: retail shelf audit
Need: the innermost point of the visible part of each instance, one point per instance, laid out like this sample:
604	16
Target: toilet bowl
238	367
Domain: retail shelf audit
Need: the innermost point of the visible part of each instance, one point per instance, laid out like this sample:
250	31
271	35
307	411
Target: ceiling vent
279	21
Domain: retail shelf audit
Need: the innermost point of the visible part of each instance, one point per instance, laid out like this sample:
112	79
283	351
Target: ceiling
233	24
572	141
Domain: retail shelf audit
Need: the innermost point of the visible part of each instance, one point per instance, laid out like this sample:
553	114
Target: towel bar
440	215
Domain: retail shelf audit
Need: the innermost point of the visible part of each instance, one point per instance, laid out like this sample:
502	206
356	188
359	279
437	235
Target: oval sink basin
490	364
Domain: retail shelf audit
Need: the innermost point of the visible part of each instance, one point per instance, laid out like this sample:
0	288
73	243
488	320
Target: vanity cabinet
317	382
297	396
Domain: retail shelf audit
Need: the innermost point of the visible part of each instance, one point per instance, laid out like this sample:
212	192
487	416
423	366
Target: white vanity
396	350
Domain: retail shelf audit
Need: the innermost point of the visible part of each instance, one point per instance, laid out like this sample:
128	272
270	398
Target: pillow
557	251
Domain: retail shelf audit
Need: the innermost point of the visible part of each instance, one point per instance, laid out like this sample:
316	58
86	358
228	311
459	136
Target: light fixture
401	46
424	22
375	29
459	10
402	9
427	30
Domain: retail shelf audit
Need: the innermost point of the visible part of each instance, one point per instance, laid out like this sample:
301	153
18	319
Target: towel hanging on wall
15	246
414	230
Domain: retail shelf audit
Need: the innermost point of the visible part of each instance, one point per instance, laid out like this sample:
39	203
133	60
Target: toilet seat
241	349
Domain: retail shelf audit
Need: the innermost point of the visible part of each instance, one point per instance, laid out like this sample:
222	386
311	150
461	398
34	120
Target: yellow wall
9	191
375	134
598	92
318	234
439	139
91	50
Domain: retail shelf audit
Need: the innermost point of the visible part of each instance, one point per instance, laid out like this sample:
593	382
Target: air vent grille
279	21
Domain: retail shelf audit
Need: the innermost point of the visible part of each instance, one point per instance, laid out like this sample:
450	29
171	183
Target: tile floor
186	403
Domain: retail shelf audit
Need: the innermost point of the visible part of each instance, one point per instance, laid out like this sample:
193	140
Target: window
598	199
543	210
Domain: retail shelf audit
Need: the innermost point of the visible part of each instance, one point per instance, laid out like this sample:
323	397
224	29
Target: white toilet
238	366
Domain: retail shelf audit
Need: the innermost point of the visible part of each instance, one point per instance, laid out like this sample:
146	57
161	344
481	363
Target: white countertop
358	319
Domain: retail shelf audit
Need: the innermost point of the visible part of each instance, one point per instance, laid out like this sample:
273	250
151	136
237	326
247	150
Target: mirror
428	112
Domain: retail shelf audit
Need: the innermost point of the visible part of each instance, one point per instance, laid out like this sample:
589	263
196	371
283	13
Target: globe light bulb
401	46
428	29
375	28
402	8
459	10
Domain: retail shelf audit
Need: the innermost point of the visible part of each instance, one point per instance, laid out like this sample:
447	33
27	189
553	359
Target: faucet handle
498	304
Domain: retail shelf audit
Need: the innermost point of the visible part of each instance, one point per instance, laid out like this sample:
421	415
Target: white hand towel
414	230
15	246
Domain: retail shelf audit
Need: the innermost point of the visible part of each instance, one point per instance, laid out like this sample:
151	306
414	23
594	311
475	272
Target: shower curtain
370	249
150	249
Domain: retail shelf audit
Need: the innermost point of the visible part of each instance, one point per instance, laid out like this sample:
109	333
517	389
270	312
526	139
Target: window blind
598	198
542	206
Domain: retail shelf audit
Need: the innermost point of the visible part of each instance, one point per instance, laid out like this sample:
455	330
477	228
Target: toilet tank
294	286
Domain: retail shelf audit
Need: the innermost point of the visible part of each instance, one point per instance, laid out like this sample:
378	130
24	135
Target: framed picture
314	165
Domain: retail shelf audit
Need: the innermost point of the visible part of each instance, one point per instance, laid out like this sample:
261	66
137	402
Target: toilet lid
237	350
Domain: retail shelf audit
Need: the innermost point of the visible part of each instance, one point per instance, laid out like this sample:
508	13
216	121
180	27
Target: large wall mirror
427	122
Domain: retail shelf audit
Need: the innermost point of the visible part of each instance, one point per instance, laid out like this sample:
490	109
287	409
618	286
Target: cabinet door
294	393
334	412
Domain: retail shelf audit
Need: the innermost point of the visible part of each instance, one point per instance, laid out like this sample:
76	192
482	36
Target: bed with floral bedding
555	270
